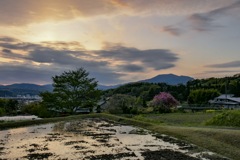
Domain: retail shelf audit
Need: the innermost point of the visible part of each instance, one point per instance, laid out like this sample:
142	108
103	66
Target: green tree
72	90
9	106
37	109
121	103
202	96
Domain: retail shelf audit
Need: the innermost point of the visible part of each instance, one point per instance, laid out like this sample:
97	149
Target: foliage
202	96
120	103
8	106
230	85
163	102
229	118
72	90
36	109
146	91
2	111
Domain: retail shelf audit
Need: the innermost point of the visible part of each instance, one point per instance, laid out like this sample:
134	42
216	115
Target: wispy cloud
205	21
22	12
172	30
220	71
232	64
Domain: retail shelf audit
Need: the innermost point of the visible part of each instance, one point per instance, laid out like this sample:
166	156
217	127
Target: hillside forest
197	92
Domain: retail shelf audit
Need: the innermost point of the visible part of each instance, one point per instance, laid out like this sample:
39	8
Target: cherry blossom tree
164	102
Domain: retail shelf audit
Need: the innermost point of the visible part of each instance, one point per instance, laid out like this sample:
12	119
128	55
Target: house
101	105
227	101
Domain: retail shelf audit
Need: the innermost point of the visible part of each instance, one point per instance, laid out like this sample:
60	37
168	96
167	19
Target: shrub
2	111
229	118
36	109
120	103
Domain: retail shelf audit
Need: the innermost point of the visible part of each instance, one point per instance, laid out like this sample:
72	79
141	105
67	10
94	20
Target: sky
118	41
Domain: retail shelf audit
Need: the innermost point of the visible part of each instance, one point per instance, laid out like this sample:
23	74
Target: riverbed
94	139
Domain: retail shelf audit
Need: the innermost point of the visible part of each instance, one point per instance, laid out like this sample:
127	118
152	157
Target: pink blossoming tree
164	102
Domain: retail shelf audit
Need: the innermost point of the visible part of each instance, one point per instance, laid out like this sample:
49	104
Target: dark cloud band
110	64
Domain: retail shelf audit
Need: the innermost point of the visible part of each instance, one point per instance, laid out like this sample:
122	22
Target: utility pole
226	92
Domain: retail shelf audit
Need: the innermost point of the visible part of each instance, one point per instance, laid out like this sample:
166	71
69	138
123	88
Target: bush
2	111
229	118
122	104
36	109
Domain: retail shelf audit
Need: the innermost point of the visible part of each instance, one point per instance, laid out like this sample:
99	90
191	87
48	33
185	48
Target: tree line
74	90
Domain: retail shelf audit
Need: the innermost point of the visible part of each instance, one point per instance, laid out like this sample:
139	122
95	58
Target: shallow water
93	139
18	118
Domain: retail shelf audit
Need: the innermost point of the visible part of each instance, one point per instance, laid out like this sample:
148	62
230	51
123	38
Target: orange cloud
120	3
22	12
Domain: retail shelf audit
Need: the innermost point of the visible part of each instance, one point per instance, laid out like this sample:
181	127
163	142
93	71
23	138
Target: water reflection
91	139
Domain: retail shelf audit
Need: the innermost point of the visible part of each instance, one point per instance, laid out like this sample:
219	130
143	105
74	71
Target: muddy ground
95	139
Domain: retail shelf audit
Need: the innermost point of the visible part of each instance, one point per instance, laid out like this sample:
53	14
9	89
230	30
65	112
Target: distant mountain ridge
170	79
23	89
34	89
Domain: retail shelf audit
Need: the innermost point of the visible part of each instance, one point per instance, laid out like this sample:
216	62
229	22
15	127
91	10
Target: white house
226	101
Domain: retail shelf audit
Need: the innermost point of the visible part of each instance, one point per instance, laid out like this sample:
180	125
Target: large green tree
121	103
202	96
72	90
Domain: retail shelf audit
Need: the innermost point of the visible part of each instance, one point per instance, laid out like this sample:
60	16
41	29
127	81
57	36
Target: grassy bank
178	119
222	141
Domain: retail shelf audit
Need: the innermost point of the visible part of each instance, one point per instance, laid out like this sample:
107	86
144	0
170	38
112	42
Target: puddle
92	139
18	118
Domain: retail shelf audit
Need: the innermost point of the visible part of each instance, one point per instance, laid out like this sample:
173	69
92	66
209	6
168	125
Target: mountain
170	79
23	89
103	87
29	86
34	89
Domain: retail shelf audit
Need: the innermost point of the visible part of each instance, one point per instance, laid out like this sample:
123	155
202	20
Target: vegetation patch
112	156
166	154
38	155
229	118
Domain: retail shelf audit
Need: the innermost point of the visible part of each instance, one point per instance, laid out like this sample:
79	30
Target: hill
23	89
170	79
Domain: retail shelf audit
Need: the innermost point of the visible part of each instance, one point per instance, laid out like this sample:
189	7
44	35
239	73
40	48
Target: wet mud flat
95	139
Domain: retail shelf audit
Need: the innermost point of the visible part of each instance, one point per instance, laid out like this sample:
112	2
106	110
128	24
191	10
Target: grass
224	141
178	119
229	118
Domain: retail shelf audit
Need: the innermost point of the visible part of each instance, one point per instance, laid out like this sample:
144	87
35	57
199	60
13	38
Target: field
185	126
178	119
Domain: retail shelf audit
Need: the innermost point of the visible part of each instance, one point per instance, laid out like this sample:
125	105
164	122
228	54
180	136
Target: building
227	101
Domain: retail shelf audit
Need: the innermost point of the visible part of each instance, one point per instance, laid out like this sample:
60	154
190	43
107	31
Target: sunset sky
118	41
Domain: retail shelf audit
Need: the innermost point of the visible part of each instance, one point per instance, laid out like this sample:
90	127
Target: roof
236	99
230	97
224	96
223	103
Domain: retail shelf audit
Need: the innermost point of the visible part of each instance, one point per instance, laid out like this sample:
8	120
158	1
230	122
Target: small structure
82	110
227	101
101	105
